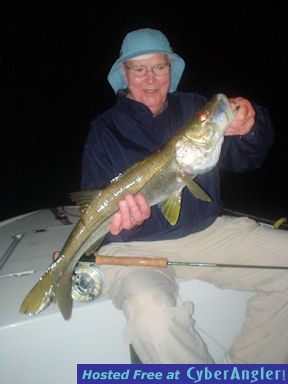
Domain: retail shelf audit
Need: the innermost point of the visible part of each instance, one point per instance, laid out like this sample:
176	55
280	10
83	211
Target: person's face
151	86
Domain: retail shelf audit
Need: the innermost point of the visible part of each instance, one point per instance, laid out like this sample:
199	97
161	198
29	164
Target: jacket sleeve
96	170
247	152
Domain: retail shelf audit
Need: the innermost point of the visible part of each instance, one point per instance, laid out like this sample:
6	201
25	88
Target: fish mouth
222	111
223	104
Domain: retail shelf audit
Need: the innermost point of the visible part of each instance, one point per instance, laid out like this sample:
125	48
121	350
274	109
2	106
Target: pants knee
145	306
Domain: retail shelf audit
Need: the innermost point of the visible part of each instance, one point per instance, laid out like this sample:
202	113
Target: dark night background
54	64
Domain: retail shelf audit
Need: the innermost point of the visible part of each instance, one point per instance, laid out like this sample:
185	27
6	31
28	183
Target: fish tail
63	295
54	284
40	295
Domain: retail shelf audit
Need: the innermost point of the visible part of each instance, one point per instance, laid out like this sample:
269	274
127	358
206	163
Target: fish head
198	148
211	122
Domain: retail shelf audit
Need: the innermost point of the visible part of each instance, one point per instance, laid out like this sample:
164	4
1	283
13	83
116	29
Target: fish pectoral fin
171	208
196	190
84	198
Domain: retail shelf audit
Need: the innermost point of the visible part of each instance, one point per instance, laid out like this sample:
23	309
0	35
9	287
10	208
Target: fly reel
87	282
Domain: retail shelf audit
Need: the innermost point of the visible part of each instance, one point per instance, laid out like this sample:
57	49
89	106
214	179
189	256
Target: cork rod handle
131	261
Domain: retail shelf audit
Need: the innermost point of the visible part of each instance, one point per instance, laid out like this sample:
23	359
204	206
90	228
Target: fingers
133	210
245	117
116	224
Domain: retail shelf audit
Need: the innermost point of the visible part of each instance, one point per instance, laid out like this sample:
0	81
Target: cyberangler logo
238	373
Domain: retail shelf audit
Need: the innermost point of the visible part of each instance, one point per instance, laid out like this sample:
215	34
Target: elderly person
147	113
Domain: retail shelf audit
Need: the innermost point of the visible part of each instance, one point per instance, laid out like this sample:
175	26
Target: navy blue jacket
128	132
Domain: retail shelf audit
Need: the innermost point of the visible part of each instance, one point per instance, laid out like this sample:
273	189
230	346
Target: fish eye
203	117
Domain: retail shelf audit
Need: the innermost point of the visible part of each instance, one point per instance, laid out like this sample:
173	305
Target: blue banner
182	373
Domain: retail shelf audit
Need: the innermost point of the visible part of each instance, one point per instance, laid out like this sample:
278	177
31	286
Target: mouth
150	91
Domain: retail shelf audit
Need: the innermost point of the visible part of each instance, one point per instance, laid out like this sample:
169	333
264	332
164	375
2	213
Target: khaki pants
162	331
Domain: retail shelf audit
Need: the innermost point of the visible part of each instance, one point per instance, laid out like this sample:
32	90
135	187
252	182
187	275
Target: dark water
54	72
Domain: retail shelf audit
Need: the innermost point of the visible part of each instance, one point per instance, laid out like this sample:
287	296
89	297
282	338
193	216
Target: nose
150	75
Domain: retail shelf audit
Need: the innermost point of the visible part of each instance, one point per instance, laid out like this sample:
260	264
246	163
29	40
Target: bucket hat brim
115	76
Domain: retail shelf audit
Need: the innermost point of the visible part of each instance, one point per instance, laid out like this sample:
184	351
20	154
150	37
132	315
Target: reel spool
87	282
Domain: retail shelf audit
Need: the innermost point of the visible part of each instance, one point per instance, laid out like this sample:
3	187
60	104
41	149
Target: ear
124	72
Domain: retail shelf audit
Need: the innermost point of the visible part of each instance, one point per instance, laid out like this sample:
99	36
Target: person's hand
244	119
133	210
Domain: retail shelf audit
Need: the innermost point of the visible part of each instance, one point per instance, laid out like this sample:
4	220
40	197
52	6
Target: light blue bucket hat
141	42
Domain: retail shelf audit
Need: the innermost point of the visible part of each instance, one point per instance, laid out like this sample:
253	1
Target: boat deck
46	346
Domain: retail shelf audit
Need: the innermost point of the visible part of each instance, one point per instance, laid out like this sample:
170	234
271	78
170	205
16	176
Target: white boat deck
45	348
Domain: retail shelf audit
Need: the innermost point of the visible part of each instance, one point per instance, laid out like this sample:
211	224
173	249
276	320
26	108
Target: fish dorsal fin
195	189
171	208
84	198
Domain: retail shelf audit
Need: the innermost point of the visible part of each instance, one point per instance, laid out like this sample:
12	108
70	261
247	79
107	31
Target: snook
194	149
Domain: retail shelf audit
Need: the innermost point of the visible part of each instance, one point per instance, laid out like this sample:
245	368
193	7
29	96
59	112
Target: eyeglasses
142	70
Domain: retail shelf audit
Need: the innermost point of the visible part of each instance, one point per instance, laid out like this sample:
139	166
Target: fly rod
163	263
